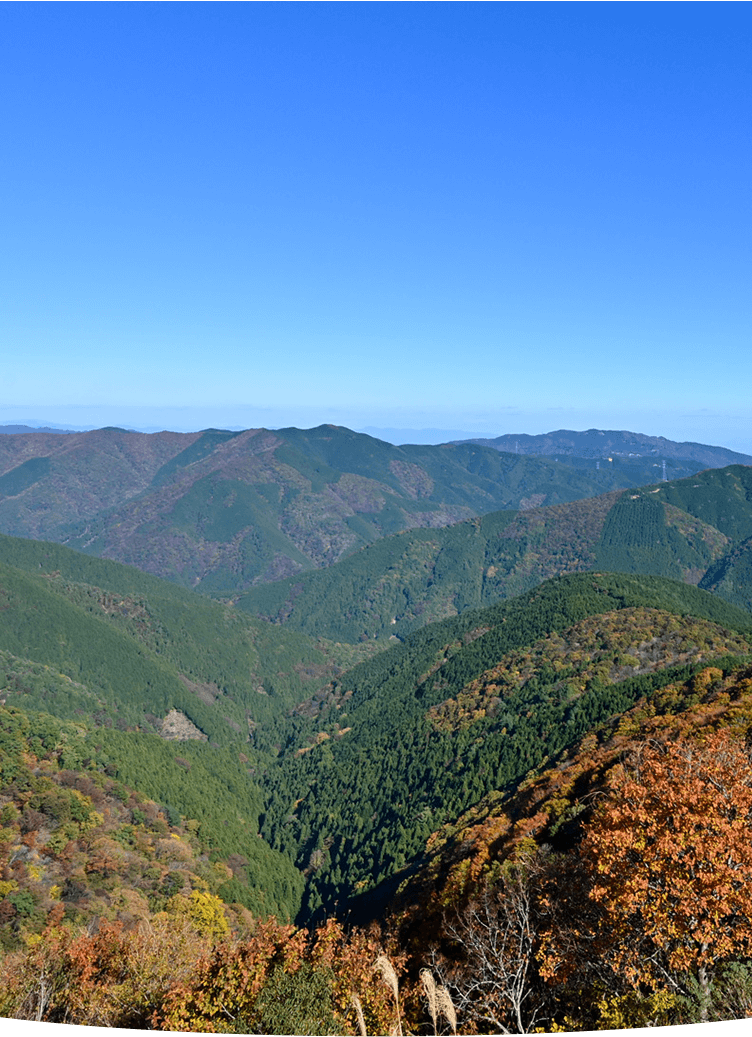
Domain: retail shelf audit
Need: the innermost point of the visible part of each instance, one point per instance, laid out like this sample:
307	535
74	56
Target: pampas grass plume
385	967
359	1009
429	986
446	1006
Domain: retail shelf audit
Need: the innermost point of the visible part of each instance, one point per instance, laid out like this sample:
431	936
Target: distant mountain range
596	443
225	511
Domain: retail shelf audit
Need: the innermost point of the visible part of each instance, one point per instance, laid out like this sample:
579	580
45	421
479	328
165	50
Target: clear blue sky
491	217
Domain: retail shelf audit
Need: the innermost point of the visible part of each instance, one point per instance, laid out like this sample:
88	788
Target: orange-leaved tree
670	851
283	980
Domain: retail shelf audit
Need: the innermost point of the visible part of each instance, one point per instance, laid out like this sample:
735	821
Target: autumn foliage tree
260	984
670	851
112	977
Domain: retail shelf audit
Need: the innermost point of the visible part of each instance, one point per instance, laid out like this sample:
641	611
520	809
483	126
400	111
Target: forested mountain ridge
208	659
411	738
223	511
533	901
689	529
165	690
109	913
592	892
137	662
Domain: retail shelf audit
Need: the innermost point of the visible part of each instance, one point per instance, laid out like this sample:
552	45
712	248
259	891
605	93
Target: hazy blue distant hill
597	443
400	436
18	429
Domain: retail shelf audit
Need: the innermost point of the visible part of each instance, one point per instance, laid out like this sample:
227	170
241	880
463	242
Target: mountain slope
731	576
207	659
679	529
410	739
114	904
134	666
78	843
552	839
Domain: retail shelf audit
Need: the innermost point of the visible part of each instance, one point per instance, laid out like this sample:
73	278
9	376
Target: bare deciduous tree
497	981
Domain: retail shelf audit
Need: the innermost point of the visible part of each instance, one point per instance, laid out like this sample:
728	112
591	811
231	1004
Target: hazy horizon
397	436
